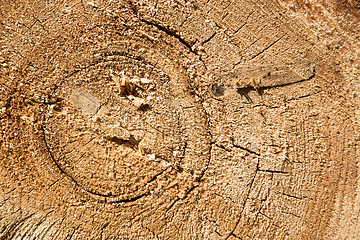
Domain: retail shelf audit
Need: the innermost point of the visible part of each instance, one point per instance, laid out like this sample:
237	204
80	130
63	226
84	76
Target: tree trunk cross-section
179	119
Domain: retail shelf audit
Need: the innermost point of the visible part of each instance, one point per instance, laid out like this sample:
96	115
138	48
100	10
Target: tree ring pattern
111	146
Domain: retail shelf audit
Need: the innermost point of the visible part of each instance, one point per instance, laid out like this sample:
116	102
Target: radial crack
268	47
209	39
170	33
291	196
244	23
272	171
247	150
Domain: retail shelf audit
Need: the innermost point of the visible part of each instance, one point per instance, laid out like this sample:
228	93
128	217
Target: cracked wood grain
250	130
264	77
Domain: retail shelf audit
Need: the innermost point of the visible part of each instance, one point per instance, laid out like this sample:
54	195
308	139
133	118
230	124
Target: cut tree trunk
179	119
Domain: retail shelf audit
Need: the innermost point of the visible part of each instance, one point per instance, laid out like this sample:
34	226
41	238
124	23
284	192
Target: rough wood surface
179	119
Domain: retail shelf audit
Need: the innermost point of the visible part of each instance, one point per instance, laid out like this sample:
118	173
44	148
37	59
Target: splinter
123	84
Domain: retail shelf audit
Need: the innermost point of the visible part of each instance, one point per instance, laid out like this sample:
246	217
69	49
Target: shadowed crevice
170	33
239	147
267	48
131	142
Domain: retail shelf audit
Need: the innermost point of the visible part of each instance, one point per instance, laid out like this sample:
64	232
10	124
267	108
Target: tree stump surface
179	119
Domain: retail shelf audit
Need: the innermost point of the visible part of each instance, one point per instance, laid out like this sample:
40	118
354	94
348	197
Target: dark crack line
239	147
212	221
239	29
181	198
222	147
172	204
157	175
263	214
247	150
226	14
305	96
291	196
57	232
207	116
207	164
272	171
40	23
261	206
73	232
268	47
209	39
251	44
170	33
227	6
155	8
261	88
235	236
291	83
102	229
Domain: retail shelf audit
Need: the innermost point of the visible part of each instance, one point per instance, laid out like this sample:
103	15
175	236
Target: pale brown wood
179	119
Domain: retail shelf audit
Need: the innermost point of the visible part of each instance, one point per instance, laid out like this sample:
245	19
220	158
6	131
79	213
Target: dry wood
179	119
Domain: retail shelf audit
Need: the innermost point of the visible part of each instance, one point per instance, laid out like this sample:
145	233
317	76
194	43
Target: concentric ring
125	145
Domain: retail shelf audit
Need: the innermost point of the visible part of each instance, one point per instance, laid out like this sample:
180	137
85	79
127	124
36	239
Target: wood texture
179	119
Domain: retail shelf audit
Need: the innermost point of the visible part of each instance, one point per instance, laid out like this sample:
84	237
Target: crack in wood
272	171
245	201
131	142
171	33
260	78
132	199
239	147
